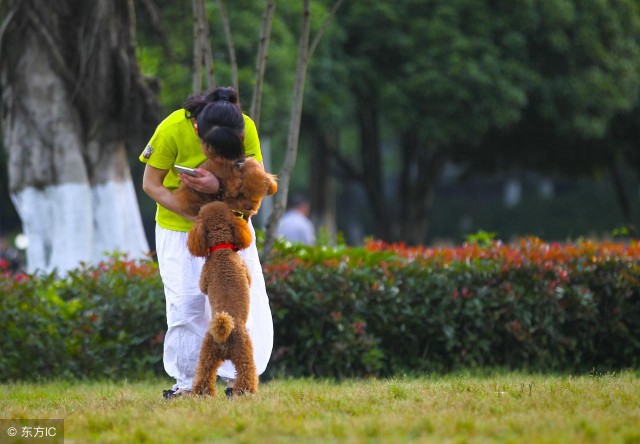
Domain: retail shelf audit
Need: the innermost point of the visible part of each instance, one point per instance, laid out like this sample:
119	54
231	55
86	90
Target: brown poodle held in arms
244	184
217	235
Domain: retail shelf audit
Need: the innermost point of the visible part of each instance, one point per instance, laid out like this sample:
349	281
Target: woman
180	140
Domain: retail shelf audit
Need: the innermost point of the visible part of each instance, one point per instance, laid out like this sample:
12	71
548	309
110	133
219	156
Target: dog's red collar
229	246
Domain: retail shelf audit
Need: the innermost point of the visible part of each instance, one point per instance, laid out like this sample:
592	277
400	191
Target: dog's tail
221	326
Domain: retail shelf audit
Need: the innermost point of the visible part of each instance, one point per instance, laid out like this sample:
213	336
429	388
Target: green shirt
175	142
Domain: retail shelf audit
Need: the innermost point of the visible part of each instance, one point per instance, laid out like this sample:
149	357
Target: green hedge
100	321
387	309
342	312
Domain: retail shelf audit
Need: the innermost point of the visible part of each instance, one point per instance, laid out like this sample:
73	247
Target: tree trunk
198	47
71	90
617	180
421	172
280	201
371	159
323	141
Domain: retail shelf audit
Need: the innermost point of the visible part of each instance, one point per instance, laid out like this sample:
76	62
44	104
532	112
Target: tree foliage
488	84
398	89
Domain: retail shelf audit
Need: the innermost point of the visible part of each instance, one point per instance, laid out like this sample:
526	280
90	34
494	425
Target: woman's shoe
171	394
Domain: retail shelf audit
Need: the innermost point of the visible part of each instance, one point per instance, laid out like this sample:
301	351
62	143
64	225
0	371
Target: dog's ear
197	239
232	187
272	184
241	233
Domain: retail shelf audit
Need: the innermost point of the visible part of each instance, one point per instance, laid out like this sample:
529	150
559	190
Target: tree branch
261	60
198	31
4	25
207	52
154	19
230	47
324	26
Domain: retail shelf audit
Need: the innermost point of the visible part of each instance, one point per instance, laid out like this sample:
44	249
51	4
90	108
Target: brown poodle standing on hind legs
220	230
217	235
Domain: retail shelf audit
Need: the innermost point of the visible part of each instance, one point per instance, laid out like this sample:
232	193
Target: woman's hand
205	182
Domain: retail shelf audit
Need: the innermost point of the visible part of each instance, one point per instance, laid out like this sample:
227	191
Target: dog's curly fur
245	193
226	281
244	185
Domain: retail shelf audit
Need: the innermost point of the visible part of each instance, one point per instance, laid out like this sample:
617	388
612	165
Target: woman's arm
152	185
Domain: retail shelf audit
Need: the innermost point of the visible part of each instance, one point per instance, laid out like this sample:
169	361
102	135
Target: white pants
189	313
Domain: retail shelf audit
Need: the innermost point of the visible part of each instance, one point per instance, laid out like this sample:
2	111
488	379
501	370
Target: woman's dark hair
195	104
221	127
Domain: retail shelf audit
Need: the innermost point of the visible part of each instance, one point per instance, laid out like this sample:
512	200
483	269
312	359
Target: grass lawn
512	408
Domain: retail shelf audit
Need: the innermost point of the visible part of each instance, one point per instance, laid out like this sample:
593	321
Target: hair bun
227	94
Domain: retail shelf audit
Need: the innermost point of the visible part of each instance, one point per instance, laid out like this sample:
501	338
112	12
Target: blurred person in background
295	225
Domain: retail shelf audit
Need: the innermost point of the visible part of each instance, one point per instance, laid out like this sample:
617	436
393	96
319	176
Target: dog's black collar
220	194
